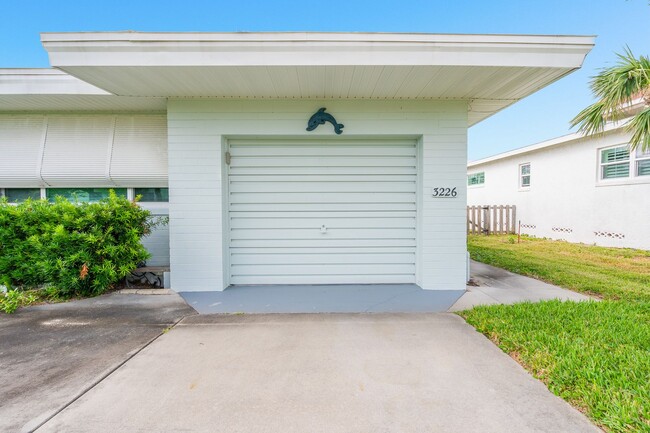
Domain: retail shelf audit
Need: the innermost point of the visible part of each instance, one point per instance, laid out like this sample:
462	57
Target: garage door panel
281	192
317	151
316	234
325	197
321	207
320	215
321	243
324	279
296	222
322	187
325	161
330	145
321	250
323	269
310	171
321	258
302	178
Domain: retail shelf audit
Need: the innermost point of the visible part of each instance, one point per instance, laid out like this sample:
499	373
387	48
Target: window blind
615	154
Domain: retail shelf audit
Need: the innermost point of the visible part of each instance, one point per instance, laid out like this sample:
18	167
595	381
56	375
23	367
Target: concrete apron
339	298
321	373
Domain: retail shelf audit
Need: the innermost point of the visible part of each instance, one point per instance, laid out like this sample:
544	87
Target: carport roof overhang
35	90
489	71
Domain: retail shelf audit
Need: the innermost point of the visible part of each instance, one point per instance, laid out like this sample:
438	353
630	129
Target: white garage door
322	212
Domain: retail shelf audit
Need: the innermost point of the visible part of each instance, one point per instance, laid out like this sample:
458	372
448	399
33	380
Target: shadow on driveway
50	354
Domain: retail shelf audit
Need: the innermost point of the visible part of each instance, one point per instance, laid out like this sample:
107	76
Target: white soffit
490	71
54	90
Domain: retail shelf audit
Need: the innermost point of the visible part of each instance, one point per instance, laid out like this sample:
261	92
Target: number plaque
443	192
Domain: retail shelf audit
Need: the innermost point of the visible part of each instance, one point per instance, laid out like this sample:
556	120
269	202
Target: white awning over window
21	137
77	150
139	156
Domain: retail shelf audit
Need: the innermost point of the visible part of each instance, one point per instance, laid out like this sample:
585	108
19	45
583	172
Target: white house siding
566	199
157	242
199	129
88	150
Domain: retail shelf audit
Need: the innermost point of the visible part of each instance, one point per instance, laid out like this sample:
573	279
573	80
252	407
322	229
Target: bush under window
76	249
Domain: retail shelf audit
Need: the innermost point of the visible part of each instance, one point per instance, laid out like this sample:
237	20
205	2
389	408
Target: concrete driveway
106	364
320	373
50	354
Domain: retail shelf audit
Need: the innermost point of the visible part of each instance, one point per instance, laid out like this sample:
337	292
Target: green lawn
609	273
595	355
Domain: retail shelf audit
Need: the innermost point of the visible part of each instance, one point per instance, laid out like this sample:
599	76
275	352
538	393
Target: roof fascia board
318	49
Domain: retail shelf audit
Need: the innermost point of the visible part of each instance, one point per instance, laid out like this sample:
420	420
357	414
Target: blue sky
543	115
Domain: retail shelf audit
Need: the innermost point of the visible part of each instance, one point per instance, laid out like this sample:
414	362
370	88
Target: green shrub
73	249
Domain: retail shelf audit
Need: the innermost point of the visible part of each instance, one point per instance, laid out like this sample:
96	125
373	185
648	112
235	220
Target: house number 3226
444	192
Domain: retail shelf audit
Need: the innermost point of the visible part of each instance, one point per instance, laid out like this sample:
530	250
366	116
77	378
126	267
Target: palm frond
618	85
615	88
592	119
640	128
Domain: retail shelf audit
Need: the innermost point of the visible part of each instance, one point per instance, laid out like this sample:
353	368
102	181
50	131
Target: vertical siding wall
566	200
197	130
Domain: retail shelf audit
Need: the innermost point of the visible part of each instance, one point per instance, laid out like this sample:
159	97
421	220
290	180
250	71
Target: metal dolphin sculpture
320	117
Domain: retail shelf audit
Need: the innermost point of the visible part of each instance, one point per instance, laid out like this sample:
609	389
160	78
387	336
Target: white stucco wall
566	193
197	130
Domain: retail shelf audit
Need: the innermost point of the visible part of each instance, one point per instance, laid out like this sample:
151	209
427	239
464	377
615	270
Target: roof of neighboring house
631	108
488	72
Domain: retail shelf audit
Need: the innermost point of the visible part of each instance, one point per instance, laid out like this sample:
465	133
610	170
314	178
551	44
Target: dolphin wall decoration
320	117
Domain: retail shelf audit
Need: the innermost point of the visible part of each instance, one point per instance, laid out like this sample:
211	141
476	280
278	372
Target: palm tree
616	87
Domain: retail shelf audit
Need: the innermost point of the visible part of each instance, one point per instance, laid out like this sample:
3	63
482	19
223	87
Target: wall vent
609	235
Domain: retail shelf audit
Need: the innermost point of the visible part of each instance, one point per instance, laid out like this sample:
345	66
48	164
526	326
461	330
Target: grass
13	299
609	273
595	355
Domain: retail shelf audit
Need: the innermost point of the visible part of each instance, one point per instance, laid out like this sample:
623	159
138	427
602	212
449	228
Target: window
476	179
18	195
152	194
615	162
643	163
87	195
524	175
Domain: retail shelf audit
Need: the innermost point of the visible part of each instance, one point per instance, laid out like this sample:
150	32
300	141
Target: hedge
73	249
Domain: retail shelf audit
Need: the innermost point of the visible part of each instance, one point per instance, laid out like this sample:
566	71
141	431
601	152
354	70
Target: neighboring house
581	189
258	193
